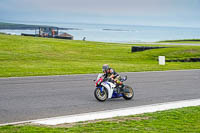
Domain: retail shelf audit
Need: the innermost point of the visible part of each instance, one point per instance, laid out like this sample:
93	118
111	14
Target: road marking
118	112
111	113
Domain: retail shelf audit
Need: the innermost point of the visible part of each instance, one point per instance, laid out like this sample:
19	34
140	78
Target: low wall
185	60
143	48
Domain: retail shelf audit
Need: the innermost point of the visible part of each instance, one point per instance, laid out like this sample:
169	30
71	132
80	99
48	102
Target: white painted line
118	112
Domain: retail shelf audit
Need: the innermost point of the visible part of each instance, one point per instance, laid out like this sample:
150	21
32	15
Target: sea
119	33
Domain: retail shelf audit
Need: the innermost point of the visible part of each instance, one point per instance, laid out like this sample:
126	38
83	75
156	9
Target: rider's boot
122	88
117	88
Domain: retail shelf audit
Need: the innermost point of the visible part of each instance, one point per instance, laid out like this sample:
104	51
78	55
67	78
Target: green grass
29	56
171	121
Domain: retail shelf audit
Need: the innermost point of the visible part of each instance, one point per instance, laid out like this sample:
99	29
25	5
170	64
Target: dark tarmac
30	98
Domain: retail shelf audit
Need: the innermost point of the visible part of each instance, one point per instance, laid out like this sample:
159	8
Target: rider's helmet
105	67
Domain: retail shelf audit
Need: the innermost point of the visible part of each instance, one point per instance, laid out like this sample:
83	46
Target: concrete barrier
142	48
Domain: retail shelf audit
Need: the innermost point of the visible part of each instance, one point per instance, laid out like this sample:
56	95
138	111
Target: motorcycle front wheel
128	92
101	96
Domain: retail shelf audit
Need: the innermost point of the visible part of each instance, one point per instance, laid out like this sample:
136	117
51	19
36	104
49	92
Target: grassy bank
172	121
29	56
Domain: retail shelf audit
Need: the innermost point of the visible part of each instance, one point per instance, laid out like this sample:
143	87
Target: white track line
111	113
118	112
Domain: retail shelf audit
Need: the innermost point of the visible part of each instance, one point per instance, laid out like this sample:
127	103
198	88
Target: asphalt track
32	98
182	44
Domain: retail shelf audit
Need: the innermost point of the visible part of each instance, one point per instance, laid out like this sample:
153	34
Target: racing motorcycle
107	89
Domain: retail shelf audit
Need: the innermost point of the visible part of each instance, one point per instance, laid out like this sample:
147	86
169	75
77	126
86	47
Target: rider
111	74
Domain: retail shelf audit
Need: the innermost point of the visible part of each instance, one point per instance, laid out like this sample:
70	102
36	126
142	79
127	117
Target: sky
180	13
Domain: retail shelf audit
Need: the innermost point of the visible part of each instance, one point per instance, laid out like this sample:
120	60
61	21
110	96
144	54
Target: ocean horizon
119	33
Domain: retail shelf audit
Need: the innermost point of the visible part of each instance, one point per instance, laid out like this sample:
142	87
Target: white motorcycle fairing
107	90
110	88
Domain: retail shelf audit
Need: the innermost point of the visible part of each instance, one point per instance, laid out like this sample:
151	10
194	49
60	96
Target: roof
65	35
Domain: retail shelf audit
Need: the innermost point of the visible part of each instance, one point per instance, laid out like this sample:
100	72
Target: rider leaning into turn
111	74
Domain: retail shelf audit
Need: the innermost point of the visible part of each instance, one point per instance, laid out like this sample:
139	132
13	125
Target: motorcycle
107	89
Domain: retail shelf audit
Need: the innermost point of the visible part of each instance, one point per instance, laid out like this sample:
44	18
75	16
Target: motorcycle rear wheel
130	94
101	96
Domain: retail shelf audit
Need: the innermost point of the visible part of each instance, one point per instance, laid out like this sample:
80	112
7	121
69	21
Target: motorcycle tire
101	96
130	94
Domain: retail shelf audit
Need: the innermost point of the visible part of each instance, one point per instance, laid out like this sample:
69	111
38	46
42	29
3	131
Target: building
50	32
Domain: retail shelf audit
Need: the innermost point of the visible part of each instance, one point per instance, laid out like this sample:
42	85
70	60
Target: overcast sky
135	12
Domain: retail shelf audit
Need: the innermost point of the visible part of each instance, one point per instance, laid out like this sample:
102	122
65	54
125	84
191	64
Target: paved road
184	44
40	97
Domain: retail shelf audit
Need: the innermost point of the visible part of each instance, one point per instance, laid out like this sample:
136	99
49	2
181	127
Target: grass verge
29	56
171	121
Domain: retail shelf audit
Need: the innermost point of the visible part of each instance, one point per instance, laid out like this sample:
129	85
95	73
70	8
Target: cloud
102	7
102	10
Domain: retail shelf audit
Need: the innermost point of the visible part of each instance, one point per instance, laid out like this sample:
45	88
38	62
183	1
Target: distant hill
20	26
13	26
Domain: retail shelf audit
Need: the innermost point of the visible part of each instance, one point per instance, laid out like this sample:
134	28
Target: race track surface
41	97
